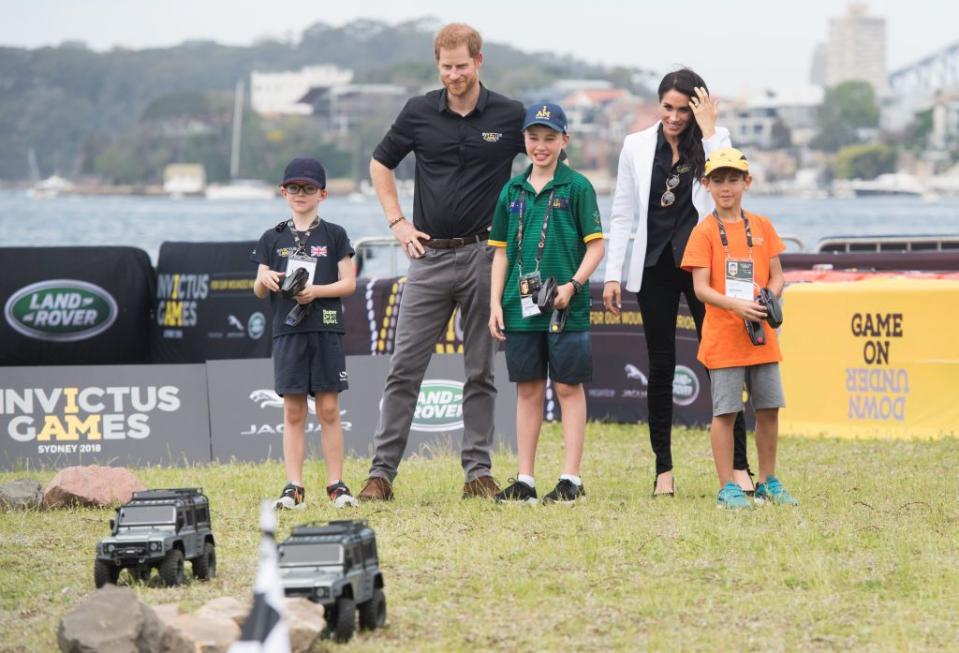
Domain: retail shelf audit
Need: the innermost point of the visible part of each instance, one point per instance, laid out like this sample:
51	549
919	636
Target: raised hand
705	111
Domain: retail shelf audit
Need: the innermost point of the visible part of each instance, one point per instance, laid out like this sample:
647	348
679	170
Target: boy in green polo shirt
546	224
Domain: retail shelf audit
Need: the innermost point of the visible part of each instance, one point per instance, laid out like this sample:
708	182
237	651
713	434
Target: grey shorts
762	381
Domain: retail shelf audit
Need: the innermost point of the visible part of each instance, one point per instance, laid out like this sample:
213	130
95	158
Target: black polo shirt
462	162
328	244
670	225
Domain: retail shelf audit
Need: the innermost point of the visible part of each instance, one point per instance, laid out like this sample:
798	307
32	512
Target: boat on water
50	187
889	185
240	189
236	188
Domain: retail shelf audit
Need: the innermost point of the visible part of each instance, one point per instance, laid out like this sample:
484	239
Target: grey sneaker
340	495
292	498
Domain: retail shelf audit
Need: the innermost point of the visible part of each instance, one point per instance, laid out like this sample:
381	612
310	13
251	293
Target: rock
166	612
92	485
226	606
110	620
305	622
23	493
189	633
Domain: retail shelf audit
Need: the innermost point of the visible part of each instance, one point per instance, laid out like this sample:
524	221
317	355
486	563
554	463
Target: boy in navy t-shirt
307	342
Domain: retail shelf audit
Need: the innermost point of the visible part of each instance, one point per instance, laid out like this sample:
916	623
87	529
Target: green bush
865	161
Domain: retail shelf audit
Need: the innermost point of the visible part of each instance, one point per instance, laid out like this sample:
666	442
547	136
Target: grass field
869	561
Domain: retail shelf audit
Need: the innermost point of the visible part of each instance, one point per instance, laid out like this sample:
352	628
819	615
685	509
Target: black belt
455	243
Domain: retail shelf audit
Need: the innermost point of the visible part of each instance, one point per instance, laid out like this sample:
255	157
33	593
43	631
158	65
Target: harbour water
145	222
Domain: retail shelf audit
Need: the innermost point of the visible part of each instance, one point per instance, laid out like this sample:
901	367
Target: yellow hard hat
727	157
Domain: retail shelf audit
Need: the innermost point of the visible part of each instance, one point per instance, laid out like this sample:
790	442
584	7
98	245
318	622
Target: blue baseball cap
305	171
547	114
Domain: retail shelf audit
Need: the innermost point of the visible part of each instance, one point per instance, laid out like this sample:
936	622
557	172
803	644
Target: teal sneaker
774	492
732	497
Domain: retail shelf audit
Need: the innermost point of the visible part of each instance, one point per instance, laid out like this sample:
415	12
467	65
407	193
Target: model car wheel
171	569
204	567
373	612
104	573
344	621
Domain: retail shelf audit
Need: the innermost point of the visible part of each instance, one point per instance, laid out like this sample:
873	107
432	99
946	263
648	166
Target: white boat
889	185
49	187
239	189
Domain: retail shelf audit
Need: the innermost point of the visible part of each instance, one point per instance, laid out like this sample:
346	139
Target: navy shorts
566	356
308	363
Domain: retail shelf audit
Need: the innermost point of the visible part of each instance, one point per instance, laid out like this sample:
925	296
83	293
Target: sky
736	45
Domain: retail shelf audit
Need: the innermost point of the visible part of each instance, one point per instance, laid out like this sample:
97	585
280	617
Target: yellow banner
876	358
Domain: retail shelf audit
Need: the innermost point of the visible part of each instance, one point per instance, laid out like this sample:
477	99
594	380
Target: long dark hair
685	81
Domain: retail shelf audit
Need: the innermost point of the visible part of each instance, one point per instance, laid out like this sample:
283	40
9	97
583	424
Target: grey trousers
435	285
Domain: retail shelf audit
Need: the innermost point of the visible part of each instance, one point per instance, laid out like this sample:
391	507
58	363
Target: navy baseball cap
550	115
305	171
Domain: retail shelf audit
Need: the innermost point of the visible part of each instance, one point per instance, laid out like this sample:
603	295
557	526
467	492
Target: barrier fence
861	359
218	411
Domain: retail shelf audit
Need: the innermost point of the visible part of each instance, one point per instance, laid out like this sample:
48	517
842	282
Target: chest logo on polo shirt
284	252
560	202
492	137
317	250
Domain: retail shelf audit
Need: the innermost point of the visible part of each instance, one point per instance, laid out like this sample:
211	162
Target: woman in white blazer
658	181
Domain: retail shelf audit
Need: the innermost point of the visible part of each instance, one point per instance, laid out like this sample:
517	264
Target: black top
328	244
672	224
461	162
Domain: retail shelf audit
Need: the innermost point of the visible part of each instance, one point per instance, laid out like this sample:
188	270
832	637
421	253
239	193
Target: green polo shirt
573	222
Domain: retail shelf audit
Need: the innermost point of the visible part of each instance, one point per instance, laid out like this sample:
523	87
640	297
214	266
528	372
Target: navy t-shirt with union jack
328	244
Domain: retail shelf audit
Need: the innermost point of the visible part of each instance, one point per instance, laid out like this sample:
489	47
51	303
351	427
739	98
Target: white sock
575	479
523	478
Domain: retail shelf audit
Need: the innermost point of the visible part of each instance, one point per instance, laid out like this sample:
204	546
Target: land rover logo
61	310
685	386
439	407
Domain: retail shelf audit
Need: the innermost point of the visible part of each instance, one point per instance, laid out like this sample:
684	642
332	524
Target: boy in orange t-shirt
732	254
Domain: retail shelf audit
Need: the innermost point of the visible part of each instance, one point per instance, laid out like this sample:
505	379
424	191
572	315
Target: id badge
739	279
300	261
529	285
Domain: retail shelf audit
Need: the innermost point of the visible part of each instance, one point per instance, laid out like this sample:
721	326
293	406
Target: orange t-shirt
725	342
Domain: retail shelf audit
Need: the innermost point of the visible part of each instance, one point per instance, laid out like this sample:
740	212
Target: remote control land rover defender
336	565
158	529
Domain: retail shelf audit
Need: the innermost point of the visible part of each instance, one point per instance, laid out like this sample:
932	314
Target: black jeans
658	298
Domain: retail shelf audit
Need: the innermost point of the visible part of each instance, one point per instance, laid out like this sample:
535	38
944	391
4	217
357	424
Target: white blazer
632	197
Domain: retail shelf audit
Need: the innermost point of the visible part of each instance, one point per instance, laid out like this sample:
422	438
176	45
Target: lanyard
542	234
722	234
296	235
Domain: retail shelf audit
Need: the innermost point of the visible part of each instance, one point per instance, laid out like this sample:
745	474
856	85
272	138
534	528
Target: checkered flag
264	630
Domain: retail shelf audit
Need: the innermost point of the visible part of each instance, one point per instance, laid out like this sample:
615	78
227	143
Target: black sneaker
565	492
517	491
340	495
293	498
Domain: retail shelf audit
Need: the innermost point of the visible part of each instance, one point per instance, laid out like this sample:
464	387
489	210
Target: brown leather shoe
484	487
376	489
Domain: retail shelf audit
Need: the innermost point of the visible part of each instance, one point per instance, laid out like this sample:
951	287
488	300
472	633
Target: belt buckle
458	242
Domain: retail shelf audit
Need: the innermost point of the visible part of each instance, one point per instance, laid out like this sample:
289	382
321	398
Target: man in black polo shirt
465	138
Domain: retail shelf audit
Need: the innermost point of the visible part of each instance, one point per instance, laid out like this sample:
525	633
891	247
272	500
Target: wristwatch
577	286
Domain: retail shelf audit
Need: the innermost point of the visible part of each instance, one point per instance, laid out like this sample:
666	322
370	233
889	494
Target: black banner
621	366
75	305
205	307
620	362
